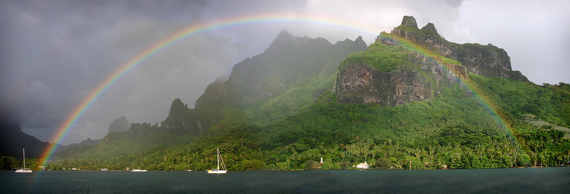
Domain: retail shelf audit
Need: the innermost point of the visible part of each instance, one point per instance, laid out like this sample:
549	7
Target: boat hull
217	171
23	171
138	171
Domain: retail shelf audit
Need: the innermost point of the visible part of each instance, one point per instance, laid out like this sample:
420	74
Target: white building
362	165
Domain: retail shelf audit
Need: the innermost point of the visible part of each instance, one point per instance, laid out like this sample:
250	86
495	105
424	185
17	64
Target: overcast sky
53	53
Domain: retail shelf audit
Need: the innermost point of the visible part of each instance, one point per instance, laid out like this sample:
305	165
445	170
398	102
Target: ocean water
529	180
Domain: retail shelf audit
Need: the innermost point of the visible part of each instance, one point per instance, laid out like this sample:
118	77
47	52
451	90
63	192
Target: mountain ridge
486	60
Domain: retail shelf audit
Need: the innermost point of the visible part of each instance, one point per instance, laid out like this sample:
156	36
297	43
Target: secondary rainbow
180	35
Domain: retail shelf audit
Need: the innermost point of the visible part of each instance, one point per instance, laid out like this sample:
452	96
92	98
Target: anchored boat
217	170
24	170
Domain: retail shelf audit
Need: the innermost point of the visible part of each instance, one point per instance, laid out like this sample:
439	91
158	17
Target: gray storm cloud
54	53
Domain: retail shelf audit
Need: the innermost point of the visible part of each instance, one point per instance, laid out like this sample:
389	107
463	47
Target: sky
53	53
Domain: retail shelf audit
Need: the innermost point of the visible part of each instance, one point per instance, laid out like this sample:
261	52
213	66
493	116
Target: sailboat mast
218	158
24	156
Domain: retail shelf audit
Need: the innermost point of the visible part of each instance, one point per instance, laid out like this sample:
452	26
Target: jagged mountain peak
430	27
284	33
360	42
119	125
286	38
489	60
409	21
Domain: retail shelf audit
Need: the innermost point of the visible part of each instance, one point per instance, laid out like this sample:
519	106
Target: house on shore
362	165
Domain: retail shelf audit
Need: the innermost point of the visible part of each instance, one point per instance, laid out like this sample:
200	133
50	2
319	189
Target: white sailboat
218	171
138	170
24	170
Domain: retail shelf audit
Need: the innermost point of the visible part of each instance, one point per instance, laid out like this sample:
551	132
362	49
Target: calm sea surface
530	180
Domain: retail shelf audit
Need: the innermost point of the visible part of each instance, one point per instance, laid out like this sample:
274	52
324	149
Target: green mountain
411	96
288	63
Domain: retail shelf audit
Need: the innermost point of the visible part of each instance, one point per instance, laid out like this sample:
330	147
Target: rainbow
191	30
197	28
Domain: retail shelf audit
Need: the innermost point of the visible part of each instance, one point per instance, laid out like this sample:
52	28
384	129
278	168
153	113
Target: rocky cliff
486	60
414	77
412	64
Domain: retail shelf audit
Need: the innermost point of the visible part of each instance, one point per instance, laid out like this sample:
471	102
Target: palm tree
418	153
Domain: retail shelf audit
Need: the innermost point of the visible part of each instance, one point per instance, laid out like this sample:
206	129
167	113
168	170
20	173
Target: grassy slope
531	119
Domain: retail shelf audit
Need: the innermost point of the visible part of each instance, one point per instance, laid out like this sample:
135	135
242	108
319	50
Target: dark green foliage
345	165
545	147
549	102
453	129
9	162
383	163
311	164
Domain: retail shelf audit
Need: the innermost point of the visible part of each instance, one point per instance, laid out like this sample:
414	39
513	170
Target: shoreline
297	170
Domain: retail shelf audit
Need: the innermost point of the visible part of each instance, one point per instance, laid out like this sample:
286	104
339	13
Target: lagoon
527	180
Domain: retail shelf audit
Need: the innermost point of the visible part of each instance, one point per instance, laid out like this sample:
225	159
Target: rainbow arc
194	29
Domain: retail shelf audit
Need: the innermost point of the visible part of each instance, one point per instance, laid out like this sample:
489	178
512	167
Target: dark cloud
61	50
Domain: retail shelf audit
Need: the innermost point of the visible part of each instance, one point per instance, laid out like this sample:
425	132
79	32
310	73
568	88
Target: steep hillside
287	63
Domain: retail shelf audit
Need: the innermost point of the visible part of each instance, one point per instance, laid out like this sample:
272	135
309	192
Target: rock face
362	83
431	65
409	22
489	60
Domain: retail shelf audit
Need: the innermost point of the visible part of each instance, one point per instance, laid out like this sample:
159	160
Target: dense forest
454	130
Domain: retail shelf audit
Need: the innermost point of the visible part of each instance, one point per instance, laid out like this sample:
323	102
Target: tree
327	164
160	166
383	163
456	160
310	164
345	165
